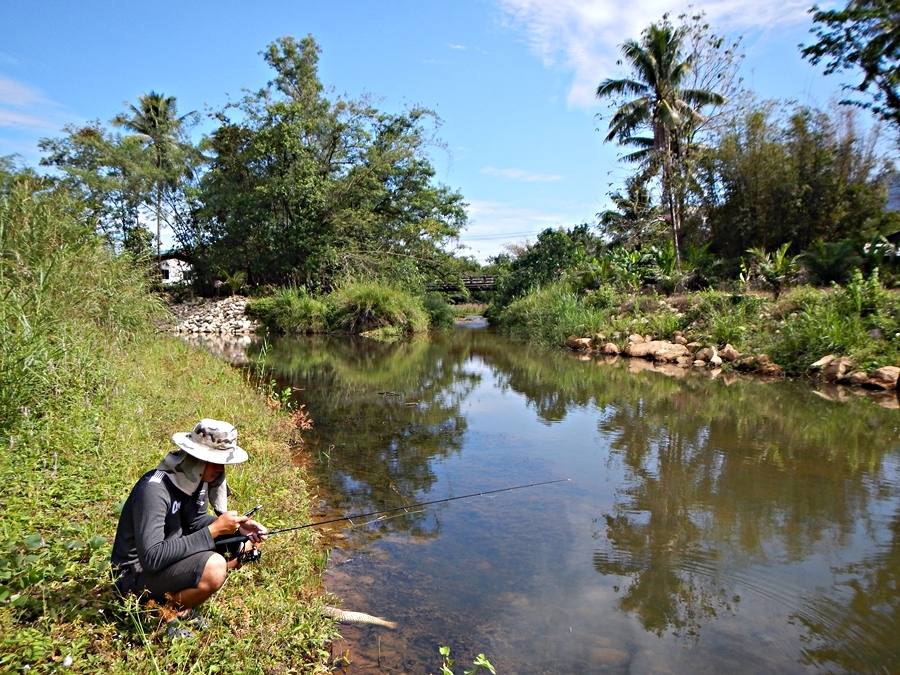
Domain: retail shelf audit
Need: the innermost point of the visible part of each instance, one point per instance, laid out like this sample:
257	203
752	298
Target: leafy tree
634	218
661	105
307	189
864	35
155	121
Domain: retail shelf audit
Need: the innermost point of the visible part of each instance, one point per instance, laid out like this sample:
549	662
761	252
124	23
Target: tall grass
363	306
291	310
549	315
88	399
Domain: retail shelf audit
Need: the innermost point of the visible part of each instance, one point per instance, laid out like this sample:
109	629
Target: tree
662	106
634	218
155	120
864	35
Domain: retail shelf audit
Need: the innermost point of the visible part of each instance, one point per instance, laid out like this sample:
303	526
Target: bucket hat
211	441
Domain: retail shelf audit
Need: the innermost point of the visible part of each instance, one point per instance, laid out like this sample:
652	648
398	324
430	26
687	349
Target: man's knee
214	573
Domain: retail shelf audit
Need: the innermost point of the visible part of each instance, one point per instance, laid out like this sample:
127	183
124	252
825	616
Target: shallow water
708	527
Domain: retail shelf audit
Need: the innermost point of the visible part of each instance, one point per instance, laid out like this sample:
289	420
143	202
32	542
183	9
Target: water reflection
756	522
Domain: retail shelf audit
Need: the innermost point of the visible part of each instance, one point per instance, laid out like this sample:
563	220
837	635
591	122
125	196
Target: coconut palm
155	119
662	107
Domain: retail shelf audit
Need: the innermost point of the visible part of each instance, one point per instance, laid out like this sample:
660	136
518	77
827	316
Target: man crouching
165	547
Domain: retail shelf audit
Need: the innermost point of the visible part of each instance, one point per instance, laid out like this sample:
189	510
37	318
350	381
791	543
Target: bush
440	314
550	315
363	306
291	310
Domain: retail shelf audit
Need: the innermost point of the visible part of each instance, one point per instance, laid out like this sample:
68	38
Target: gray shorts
176	577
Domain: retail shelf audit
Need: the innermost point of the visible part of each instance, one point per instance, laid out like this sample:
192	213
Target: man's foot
175	630
196	619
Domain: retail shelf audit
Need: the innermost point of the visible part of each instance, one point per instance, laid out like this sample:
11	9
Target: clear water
709	527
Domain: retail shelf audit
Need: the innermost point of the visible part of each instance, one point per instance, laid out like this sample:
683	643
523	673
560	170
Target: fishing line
359	516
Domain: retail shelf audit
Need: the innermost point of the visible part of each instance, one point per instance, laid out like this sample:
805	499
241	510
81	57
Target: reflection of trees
386	411
858	631
718	476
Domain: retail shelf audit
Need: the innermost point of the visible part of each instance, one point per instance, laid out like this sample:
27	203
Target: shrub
440	314
364	306
550	314
291	310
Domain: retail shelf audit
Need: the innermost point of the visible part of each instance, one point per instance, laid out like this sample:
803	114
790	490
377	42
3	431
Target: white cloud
458	47
494	225
521	175
18	94
14	119
584	35
25	108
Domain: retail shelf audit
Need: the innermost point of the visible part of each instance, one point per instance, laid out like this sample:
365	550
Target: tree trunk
674	214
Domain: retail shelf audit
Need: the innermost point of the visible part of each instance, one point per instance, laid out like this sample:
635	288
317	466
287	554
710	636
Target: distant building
175	267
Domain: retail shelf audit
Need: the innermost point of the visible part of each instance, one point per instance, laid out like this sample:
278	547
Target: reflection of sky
514	574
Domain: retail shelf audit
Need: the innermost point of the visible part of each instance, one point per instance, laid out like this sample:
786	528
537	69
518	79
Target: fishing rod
243	537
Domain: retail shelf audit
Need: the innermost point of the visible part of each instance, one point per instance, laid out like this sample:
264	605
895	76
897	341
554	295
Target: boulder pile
209	316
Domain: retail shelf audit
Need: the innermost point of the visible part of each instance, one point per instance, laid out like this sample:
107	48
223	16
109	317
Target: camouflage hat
212	441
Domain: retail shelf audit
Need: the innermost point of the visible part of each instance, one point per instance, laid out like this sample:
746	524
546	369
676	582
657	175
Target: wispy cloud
583	35
458	47
495	225
521	175
27	108
17	94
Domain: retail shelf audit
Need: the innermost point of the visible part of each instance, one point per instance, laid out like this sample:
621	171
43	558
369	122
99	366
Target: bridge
471	283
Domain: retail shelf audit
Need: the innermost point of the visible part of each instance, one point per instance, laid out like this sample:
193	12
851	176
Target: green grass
291	310
90	397
364	306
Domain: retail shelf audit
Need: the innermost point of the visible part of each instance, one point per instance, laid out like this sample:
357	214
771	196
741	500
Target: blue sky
511	79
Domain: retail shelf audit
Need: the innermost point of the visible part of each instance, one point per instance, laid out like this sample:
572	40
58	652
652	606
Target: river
709	526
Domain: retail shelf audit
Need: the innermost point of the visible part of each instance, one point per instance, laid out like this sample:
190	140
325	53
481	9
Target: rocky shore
207	316
681	353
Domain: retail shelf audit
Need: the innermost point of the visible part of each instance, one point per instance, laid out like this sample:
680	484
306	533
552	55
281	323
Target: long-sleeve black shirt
160	524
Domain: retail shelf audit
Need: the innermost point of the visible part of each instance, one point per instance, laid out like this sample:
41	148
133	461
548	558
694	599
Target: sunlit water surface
709	527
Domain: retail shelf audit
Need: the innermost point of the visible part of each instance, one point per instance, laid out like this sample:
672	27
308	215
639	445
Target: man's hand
253	531
227	523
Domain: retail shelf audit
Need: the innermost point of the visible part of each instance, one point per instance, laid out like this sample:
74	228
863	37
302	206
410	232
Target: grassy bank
860	320
89	399
372	308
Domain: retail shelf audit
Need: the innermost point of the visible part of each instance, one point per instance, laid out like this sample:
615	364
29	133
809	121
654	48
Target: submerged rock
610	349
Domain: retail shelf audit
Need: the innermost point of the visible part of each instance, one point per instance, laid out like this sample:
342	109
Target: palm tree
155	120
660	106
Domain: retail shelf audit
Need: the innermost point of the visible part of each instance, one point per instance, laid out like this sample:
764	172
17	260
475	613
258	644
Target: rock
747	362
699	363
656	349
634	338
715	360
610	349
729	353
837	369
694	346
821	363
678	333
884	378
705	354
769	368
579	344
684	361
679	340
858	378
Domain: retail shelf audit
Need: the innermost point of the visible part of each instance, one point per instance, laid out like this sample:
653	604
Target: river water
709	526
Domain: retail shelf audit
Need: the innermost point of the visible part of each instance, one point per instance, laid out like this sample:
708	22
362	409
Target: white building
174	268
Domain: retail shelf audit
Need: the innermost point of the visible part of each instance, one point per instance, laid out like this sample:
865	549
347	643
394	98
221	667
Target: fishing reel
251	556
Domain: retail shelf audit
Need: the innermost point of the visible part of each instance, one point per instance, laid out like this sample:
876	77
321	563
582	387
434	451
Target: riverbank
89	397
69	485
847	335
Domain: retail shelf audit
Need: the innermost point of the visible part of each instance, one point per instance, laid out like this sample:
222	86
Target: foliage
542	262
831	261
804	178
863	36
307	189
775	268
549	314
440	314
480	663
291	310
363	306
663	107
634	219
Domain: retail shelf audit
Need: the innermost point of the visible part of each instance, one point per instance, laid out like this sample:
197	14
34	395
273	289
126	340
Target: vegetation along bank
89	395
